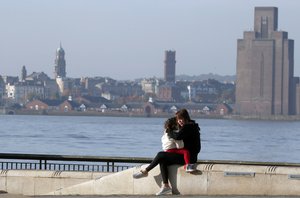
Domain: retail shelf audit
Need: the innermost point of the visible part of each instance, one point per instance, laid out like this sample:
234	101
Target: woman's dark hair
183	114
170	124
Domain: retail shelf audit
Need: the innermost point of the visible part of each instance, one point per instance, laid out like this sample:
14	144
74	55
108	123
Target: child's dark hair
171	124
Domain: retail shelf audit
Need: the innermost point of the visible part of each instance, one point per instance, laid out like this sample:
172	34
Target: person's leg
164	173
184	152
144	172
157	159
186	155
168	159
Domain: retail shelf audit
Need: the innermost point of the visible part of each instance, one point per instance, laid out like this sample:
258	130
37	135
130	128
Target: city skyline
126	40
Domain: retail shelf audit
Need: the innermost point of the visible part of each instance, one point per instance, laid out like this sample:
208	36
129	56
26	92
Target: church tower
60	63
23	74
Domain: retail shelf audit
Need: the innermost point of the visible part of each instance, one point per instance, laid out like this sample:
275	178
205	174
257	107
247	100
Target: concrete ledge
210	179
37	182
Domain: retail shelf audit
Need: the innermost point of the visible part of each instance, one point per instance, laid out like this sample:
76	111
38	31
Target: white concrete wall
210	179
37	182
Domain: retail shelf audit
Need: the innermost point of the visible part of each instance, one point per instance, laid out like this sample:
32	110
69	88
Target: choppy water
268	141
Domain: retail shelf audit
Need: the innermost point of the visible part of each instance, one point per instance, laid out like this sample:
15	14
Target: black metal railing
17	161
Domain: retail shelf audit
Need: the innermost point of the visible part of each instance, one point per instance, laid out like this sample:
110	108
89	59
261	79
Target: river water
266	141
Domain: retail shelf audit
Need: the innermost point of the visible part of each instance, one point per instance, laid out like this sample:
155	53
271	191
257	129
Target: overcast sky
126	39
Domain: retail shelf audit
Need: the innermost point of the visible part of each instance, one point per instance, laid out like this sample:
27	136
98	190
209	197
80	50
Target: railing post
41	164
45	164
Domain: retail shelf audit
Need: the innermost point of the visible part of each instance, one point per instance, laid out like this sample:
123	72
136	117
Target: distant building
60	63
150	86
23	74
170	62
9	79
65	86
55	105
265	68
21	93
69	105
37	77
37	105
168	92
51	89
91	85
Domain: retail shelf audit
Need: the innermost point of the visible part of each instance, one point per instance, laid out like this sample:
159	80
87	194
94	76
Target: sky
127	39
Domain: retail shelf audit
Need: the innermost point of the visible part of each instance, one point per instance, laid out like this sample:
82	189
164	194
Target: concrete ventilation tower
170	62
265	68
60	63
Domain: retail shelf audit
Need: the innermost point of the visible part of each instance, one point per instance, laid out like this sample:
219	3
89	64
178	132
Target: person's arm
184	131
178	135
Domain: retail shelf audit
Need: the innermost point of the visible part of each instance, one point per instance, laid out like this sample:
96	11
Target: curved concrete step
120	183
210	179
38	182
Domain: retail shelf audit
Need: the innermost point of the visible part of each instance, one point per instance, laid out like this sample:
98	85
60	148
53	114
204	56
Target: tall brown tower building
170	63
265	68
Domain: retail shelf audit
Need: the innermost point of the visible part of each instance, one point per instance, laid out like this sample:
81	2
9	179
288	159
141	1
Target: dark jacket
190	134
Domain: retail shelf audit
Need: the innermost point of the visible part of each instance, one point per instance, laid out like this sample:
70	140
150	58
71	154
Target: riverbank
264	117
109	114
160	115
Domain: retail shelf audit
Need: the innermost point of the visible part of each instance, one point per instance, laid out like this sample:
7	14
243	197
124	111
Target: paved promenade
125	196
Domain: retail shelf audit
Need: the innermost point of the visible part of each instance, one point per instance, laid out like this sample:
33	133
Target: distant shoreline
162	115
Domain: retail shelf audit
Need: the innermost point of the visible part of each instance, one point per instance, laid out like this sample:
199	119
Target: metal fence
16	161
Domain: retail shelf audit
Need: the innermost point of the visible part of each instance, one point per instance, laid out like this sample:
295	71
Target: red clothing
183	151
190	134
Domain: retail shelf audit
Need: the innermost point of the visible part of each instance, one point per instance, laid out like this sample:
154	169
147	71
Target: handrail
110	160
45	165
73	158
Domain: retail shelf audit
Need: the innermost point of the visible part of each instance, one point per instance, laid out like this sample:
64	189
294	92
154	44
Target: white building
150	85
21	93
